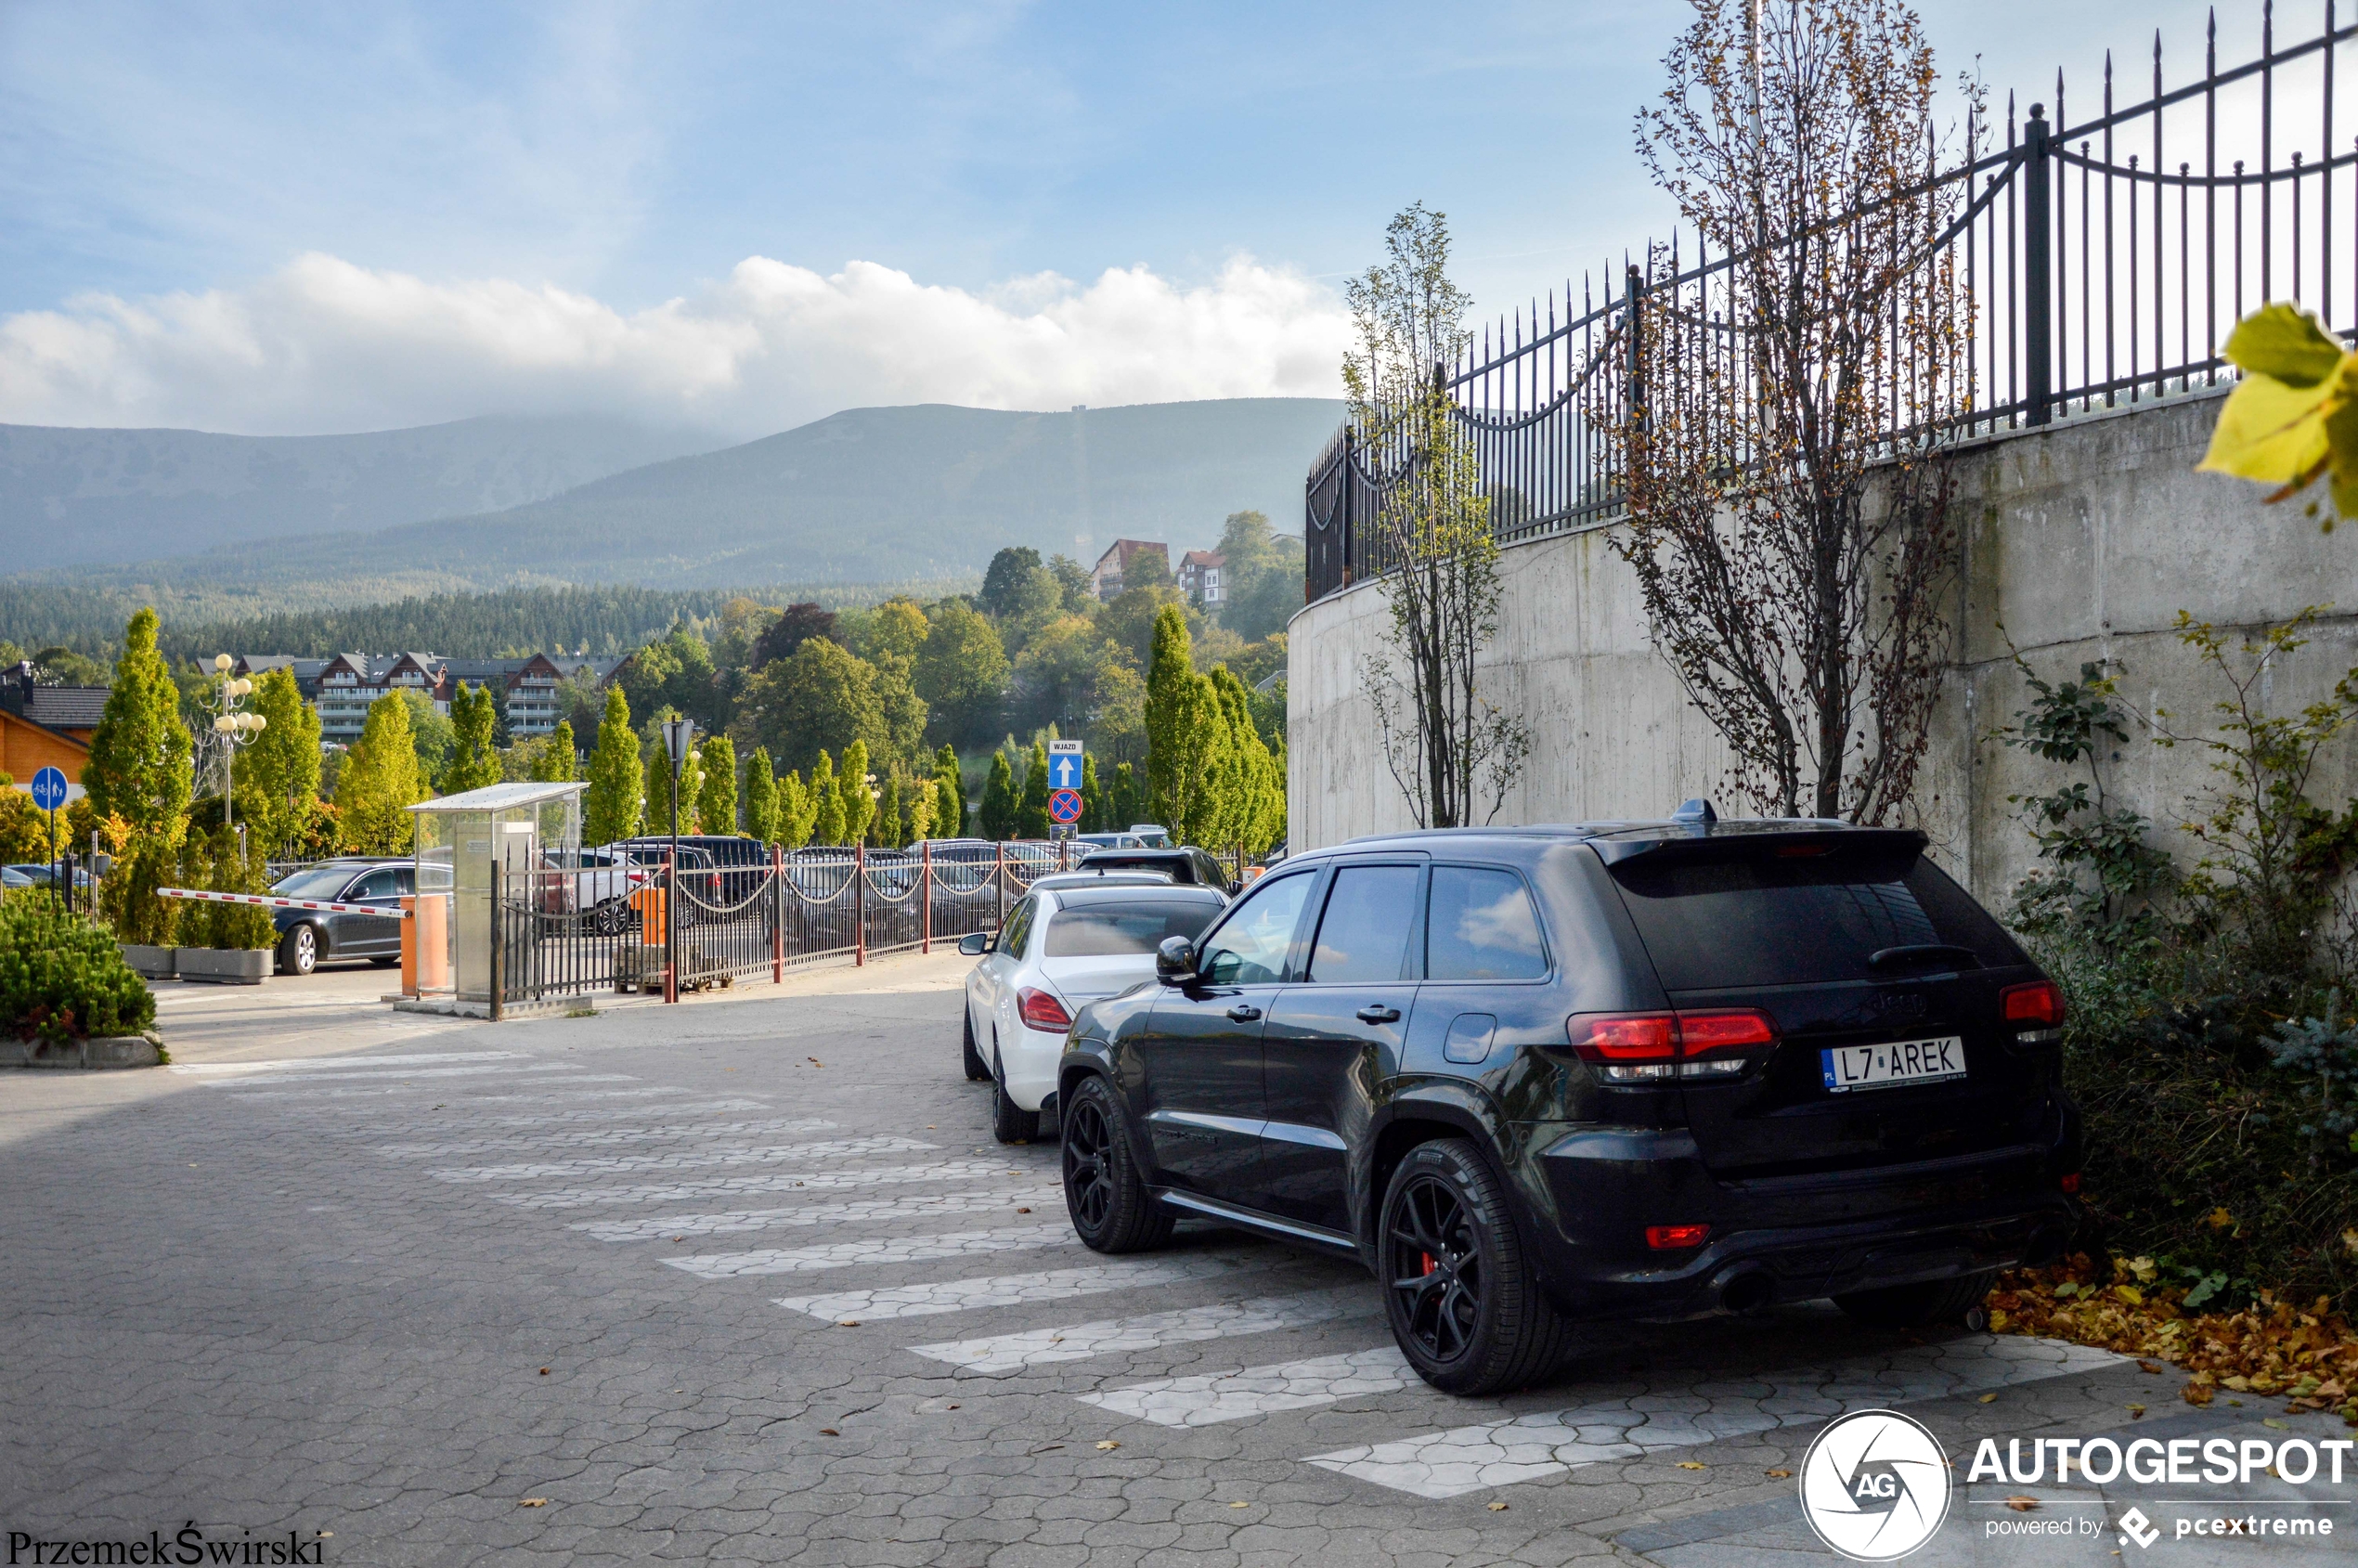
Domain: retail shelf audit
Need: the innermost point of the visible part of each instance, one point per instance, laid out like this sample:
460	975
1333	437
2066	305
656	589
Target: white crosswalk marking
601	1136
430	1058
501	1124
998	1353
541	1094
620	1164
1257	1391
1474	1459
885	1249
858	1210
407	1073
1019	1290
779	1181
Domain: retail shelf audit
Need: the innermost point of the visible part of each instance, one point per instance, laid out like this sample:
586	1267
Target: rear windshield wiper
1919	953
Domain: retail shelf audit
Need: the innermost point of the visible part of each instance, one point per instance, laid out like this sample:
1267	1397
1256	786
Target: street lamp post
233	726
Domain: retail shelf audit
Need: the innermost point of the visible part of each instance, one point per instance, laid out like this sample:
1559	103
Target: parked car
1186	865
1540	1075
40	873
1110	840
1103	877
307	937
11	879
1153	836
1060	947
597	882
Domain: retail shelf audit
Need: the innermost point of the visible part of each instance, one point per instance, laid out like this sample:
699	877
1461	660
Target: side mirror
974	944
1175	961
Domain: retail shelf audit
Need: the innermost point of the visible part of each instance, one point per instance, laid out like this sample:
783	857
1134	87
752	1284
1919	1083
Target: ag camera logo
1875	1485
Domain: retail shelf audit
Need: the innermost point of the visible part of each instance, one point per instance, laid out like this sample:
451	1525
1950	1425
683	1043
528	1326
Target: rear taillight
1041	1010
1635	1047
1673	1238
2034	1011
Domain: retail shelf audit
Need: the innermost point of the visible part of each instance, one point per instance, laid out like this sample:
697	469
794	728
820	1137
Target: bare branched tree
1453	752
1794	553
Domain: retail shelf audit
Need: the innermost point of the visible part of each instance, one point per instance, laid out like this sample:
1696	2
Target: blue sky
165	170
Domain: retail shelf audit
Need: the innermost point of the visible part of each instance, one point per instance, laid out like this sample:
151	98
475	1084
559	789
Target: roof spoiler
1764	842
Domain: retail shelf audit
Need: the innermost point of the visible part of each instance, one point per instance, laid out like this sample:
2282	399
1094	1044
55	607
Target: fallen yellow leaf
1990	1399
1692	1464
1779	1474
1497	1507
1108	1443
533	1502
2022	1503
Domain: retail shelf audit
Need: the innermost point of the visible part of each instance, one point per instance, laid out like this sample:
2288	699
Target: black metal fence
566	933
2097	266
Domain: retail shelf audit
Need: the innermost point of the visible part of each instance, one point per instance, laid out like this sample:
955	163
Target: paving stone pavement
413	1286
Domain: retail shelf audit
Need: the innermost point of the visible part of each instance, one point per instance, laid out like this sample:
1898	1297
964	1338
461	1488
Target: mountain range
869	495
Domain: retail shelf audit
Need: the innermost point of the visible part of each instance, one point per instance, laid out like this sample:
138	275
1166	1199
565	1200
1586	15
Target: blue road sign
1064	771
48	789
1064	805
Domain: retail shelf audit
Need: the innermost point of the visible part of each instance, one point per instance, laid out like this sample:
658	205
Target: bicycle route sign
48	789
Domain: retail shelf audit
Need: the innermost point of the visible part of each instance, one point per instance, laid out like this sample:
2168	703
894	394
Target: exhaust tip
1749	1290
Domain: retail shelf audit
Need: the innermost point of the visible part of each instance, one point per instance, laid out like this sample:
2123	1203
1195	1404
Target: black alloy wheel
1111	1209
299	950
1464	1304
976	1068
1010	1124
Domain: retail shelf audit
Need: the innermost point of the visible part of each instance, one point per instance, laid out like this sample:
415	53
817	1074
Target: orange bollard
648	901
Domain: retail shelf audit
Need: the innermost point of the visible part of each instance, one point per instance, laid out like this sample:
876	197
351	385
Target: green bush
2208	1041
61	977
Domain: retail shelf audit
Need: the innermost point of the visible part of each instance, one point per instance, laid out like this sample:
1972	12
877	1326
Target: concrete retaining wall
2085	540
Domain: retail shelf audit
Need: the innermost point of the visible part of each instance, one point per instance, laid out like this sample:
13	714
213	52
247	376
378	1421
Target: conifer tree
380	780
884	832
1180	721
278	779
616	796
716	790
950	794
761	797
556	762
859	801
1093	799
826	821
797	811
1031	815
999	800
138	770
1125	796
474	760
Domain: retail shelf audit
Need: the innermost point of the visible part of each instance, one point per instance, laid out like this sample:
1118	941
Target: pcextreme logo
1875	1485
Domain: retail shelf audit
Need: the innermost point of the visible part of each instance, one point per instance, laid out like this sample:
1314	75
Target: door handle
1378	1013
1243	1013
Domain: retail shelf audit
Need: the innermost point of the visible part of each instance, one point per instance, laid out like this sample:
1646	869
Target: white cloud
326	345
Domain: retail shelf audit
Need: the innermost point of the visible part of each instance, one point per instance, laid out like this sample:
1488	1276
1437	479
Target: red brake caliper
1429	1265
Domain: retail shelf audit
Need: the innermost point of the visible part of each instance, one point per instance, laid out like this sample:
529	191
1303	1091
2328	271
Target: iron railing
2090	267
565	934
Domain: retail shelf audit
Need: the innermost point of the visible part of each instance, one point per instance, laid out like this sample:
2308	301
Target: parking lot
746	1278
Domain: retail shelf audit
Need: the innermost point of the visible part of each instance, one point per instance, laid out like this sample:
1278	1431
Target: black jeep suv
1537	1075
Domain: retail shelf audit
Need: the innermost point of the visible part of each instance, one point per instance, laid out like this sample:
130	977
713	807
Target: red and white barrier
268	902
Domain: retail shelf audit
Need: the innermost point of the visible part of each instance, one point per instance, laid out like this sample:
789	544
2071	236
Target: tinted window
1774	921
1481	928
376	885
1116	930
1250	947
1371	912
319	882
1018	932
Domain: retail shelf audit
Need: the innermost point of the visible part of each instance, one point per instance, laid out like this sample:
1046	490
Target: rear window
1124	929
1763	922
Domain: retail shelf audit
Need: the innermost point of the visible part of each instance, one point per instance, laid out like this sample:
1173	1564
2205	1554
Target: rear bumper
1595	1190
1028	1060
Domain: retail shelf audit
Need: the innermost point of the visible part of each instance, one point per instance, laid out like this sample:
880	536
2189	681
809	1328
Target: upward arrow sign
1067	774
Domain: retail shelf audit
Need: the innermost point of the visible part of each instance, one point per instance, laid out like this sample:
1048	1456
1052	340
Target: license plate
1901	1061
